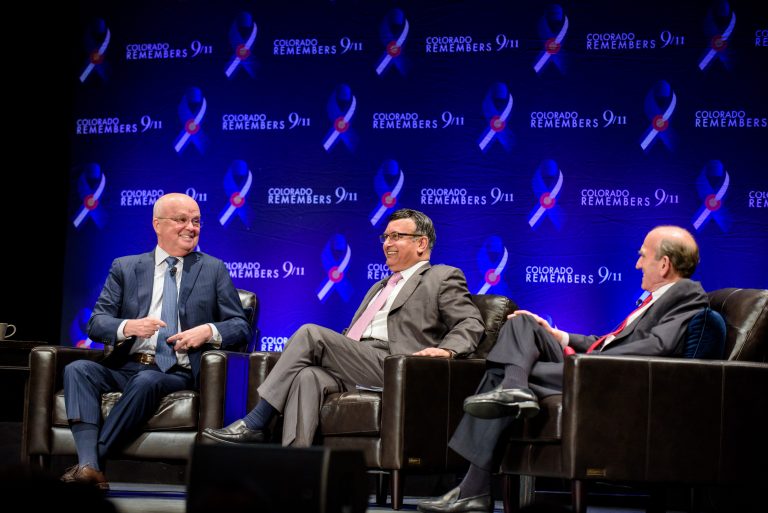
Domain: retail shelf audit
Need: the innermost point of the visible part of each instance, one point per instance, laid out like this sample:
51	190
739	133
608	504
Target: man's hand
191	338
560	335
435	352
142	328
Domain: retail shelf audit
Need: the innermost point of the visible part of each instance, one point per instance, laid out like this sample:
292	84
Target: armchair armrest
656	418
46	375
246	369
421	407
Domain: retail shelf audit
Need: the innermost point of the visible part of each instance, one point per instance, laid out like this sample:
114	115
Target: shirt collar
407	273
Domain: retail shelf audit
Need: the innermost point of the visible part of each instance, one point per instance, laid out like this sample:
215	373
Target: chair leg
579	496
657	500
511	489
382	487
396	482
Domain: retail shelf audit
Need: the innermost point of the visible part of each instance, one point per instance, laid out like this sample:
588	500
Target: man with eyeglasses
158	312
421	309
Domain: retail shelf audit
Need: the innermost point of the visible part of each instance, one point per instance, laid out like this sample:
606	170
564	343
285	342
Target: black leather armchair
668	421
406	428
168	436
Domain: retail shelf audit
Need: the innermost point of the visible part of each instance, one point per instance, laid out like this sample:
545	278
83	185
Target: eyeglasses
184	220
396	236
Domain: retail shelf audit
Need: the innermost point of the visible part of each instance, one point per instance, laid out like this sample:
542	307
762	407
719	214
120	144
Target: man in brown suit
426	311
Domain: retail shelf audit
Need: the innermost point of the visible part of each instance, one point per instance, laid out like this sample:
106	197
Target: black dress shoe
509	402
237	433
450	503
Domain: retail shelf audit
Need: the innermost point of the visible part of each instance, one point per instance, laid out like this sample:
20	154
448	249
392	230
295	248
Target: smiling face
173	235
407	251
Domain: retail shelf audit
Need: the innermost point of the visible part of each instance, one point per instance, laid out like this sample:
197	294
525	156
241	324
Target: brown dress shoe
86	474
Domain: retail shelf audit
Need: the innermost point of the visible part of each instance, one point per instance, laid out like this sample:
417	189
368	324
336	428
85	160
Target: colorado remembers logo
242	35
97	38
547	195
719	25
192	108
497	107
90	187
492	259
388	183
552	28
335	257
712	184
393	32
237	183
341	108
660	103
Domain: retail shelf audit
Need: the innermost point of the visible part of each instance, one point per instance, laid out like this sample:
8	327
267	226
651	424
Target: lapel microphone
173	271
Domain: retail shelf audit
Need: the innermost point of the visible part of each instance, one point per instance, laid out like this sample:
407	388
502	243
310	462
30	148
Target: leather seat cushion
177	411
351	413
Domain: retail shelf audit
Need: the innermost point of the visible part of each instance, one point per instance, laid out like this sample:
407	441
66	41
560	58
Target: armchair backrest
746	318
494	310
250	304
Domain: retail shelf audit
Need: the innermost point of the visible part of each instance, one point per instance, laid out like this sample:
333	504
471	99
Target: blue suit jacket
206	295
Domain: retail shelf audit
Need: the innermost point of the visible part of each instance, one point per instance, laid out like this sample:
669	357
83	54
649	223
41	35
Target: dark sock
86	439
259	417
476	482
514	377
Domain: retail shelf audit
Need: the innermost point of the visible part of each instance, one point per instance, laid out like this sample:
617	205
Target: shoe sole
231	442
496	410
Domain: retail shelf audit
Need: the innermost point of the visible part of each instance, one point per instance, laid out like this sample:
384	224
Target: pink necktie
357	329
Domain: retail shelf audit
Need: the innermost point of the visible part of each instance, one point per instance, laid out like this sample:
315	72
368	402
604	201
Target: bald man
158	311
526	364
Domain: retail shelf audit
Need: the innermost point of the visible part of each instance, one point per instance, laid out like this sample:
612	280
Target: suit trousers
524	343
143	386
318	361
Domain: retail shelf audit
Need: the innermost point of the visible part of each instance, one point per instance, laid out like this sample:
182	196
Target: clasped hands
182	341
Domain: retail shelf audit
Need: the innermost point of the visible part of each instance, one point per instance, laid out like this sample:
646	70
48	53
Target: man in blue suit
158	312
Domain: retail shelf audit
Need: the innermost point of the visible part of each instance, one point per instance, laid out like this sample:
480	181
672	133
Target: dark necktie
620	327
357	329
165	356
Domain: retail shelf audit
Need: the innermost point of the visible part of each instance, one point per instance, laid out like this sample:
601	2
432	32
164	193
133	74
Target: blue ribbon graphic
719	25
237	183
492	259
497	107
90	187
547	196
341	108
712	184
78	331
393	32
97	39
388	183
552	27
660	103
335	257
242	44
192	121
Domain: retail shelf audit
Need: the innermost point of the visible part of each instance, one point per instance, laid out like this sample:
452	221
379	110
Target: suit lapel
367	299
145	277
408	288
192	265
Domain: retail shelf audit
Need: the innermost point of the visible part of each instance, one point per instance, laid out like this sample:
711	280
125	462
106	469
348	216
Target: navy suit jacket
207	295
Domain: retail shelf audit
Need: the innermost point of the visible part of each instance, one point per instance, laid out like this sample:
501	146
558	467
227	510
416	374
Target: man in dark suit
420	309
156	311
526	364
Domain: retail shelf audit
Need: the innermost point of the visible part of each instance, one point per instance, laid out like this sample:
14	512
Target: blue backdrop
543	140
